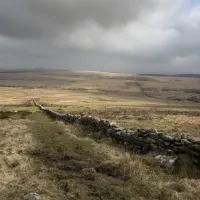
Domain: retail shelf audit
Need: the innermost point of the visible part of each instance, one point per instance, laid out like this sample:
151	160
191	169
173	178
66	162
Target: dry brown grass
64	88
35	158
175	88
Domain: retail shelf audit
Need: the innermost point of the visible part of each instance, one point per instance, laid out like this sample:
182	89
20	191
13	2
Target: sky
133	36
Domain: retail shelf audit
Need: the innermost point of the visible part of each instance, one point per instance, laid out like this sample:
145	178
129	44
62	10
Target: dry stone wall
139	140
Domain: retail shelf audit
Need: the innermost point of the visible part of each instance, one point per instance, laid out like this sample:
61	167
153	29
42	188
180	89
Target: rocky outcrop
139	140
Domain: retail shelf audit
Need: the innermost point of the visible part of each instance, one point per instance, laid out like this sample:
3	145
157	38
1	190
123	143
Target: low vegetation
178	88
65	162
71	162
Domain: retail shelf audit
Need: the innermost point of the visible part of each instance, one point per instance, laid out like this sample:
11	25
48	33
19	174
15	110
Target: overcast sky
136	36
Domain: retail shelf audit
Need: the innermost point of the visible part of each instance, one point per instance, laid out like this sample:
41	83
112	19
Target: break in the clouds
137	36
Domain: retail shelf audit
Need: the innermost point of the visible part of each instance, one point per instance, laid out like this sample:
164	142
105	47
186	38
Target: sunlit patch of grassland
14	96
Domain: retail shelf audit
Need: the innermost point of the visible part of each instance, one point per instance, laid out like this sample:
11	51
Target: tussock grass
115	174
66	162
72	162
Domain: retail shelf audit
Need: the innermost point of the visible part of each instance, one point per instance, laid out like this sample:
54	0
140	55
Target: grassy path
71	165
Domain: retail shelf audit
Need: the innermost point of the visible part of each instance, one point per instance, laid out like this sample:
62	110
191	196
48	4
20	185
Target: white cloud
129	35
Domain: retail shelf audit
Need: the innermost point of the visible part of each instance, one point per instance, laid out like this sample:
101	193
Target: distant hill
173	75
20	70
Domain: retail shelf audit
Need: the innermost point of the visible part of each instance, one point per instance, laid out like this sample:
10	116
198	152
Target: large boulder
166	161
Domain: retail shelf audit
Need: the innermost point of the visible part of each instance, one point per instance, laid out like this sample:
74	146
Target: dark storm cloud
43	18
138	36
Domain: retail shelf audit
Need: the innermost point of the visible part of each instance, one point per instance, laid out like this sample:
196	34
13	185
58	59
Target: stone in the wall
185	142
168	138
195	147
154	136
191	139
